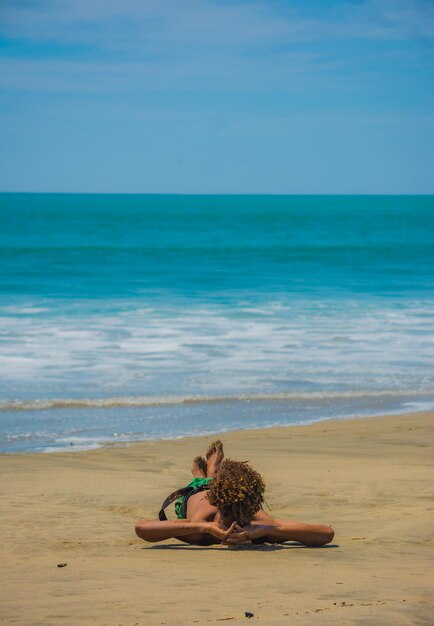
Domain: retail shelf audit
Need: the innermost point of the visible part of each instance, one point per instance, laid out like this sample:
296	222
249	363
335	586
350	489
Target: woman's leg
209	468
214	456
199	467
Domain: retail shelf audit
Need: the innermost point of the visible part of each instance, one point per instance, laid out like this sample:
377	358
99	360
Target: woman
223	504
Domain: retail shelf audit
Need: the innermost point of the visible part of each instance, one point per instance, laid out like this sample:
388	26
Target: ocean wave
155	401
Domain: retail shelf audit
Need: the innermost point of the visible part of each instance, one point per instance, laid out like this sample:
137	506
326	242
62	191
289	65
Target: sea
131	317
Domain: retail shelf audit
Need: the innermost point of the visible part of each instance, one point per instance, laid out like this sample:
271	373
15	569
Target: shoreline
369	477
164	401
77	443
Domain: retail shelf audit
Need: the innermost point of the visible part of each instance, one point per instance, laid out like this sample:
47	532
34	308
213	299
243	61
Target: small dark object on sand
247	614
62	564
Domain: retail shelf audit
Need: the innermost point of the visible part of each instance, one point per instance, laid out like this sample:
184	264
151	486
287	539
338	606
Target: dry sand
370	478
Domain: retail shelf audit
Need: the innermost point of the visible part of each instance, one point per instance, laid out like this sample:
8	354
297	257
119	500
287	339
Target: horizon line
222	194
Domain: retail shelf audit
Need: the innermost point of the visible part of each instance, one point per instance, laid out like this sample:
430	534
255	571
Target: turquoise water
131	316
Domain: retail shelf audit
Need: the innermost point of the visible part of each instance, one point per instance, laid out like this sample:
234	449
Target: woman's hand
217	531
246	534
235	534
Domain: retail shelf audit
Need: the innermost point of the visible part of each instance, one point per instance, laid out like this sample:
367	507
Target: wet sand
370	478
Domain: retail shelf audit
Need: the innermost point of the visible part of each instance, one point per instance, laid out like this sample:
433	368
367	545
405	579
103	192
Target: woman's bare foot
199	467
214	457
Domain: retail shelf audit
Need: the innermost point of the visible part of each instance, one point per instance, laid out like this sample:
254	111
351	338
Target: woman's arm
278	531
159	531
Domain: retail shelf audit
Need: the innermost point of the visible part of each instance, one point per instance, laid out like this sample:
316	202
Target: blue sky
211	96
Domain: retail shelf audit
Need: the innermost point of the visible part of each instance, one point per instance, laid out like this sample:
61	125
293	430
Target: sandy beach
370	478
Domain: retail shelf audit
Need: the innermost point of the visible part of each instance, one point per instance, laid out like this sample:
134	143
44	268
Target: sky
217	96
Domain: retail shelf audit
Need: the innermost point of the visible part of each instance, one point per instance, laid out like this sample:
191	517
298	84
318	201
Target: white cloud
282	70
113	45
169	24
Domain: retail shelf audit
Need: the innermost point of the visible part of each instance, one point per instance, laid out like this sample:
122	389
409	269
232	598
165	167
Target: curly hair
237	491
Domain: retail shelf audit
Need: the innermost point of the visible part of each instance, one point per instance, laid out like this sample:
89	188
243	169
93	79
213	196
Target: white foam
156	401
22	310
419	406
269	347
78	448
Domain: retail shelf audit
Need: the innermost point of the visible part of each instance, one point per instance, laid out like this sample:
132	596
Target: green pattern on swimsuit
194	484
